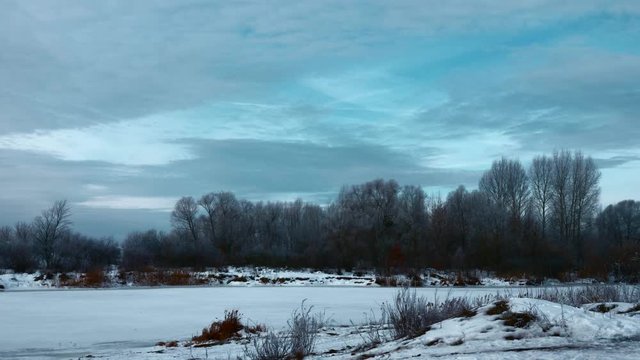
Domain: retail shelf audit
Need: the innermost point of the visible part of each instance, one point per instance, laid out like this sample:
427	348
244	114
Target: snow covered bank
528	325
76	320
246	276
126	323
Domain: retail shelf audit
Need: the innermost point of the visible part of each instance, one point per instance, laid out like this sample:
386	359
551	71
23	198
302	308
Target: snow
81	319
251	276
39	319
23	281
559	327
126	323
231	276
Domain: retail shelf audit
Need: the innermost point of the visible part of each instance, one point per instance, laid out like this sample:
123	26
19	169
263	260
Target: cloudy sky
121	107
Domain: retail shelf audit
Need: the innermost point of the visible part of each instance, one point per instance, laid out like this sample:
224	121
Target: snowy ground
71	321
242	277
126	323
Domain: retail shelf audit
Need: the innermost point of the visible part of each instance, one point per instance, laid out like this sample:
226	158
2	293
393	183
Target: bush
297	343
410	315
304	327
270	347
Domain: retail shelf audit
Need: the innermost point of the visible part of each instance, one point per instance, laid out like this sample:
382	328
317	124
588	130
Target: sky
122	107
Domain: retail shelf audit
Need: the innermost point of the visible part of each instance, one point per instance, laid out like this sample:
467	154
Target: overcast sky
121	107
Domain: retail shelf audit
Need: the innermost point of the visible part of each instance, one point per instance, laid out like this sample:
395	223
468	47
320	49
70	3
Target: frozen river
66	322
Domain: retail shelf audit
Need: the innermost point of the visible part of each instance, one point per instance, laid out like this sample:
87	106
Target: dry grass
297	343
168	344
588	294
498	307
519	320
224	330
95	278
510	318
410	315
178	278
603	308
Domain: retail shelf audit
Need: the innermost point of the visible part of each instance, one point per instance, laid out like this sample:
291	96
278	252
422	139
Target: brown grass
498	308
255	329
178	278
467	313
519	320
94	278
223	330
390	281
604	308
168	344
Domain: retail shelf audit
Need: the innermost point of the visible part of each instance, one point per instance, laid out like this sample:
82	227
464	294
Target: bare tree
628	212
541	177
575	194
561	187
48	228
506	184
184	216
620	223
585	194
457	206
208	202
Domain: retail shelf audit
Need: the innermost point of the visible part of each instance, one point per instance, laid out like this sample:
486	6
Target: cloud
74	64
615	161
121	107
129	203
152	140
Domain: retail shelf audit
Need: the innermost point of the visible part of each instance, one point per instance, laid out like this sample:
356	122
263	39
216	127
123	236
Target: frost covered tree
47	230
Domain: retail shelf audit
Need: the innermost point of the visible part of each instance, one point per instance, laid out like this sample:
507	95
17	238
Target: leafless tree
561	190
506	183
575	193
620	223
585	194
541	177
48	228
184	217
628	213
208	202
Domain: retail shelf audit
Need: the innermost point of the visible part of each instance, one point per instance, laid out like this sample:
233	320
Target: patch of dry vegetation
226	329
410	315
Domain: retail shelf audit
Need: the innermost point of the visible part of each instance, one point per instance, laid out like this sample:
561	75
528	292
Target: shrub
303	328
410	315
297	343
270	347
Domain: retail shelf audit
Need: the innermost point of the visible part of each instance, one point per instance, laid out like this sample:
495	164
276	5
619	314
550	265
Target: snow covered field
72	321
126	323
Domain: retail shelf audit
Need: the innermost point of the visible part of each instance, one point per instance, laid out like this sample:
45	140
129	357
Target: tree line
49	243
544	219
